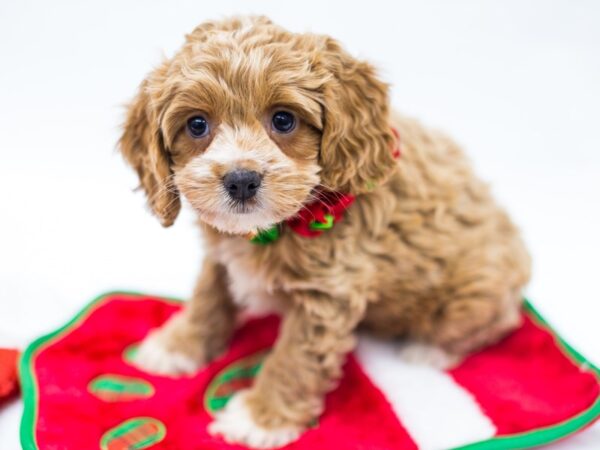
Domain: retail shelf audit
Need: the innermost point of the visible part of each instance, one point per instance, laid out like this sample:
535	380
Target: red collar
320	215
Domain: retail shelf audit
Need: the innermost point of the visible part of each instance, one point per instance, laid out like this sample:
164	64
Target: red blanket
81	393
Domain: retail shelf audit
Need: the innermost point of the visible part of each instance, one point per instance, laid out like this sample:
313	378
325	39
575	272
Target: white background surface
518	83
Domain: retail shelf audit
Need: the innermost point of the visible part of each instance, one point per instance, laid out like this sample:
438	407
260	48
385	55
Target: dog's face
248	120
244	135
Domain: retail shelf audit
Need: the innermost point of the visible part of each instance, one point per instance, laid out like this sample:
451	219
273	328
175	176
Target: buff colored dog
248	122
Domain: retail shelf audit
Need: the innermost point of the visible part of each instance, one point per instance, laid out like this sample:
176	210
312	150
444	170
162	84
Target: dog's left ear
356	147
142	145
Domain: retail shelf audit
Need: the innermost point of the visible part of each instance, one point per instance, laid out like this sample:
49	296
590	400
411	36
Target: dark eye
197	126
283	121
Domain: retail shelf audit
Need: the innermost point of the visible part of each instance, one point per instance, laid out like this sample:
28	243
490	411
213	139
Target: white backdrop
518	83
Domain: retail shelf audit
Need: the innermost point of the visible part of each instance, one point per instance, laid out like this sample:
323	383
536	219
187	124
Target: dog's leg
467	323
462	326
307	359
195	335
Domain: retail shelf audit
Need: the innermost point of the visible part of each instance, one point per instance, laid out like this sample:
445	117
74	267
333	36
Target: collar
318	216
313	219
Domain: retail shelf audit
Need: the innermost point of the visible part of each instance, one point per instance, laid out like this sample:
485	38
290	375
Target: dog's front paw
169	350
154	356
236	425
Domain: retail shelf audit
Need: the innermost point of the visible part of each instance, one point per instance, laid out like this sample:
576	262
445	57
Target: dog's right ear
142	145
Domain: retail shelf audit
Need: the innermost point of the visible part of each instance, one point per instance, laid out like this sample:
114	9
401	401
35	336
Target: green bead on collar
264	237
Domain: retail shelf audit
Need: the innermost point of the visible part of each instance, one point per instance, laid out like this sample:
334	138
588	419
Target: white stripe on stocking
436	411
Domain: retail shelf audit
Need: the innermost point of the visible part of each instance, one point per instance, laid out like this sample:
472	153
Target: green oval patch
233	378
117	388
134	434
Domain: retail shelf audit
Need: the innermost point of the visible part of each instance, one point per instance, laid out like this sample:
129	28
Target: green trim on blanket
552	433
29	386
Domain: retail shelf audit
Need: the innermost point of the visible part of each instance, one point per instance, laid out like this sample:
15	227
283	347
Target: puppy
254	126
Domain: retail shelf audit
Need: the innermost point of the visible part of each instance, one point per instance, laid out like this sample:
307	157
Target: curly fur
424	253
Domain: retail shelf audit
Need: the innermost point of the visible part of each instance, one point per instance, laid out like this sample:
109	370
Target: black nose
242	184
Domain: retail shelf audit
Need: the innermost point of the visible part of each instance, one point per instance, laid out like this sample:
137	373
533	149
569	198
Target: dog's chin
250	217
240	221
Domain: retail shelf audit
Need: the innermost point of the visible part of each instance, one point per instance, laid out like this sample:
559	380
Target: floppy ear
356	146
142	145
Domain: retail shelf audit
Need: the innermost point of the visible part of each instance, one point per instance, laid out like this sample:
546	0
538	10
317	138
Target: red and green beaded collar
318	216
313	219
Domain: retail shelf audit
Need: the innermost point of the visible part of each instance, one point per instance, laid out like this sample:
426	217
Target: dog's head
247	120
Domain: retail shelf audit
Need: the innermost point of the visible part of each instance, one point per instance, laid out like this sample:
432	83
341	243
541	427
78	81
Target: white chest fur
247	284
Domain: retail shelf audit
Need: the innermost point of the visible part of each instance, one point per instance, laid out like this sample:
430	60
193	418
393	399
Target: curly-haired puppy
251	123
